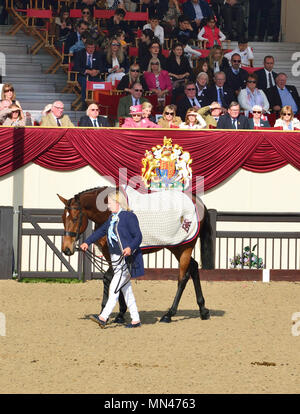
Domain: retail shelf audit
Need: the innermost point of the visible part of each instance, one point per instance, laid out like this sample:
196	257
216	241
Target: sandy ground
247	346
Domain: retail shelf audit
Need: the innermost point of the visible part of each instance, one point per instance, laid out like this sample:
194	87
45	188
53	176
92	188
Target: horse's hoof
166	319
119	319
204	314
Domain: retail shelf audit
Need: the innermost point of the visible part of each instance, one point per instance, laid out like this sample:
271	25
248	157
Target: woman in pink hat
136	119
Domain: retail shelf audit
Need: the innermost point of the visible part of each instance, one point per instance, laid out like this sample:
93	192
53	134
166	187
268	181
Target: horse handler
121	229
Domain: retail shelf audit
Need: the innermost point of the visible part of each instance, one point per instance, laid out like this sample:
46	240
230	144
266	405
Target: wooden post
6	242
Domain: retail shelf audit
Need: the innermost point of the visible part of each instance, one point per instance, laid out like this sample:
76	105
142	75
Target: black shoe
133	325
95	318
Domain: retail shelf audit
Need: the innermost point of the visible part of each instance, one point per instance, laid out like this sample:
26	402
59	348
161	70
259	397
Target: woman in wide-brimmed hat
136	119
193	120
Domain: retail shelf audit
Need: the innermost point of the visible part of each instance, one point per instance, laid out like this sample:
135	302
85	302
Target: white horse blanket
166	218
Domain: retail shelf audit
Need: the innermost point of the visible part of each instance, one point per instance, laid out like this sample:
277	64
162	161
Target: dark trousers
82	81
231	14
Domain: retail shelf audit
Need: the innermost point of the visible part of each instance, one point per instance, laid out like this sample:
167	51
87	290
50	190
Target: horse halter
72	233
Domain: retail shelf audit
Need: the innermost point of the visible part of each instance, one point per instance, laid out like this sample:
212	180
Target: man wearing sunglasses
189	100
92	118
133	99
236	77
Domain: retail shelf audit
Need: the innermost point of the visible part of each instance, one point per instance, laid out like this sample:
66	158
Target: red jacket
212	36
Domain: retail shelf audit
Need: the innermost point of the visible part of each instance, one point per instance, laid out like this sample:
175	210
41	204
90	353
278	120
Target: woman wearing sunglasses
257	121
136	119
16	117
251	95
115	61
169	118
158	81
287	120
134	75
8	94
193	120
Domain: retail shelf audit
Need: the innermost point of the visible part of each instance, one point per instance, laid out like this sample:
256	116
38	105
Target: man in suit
233	119
236	77
56	117
219	92
196	10
89	64
92	118
282	94
189	100
133	99
266	76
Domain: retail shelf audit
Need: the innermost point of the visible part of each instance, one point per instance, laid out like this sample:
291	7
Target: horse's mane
77	196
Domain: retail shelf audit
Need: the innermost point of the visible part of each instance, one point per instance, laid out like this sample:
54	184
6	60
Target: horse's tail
207	245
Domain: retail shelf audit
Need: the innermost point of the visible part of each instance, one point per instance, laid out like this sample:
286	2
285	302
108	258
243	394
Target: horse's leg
184	275
194	272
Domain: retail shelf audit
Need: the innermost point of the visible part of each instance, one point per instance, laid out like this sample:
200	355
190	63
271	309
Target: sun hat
137	109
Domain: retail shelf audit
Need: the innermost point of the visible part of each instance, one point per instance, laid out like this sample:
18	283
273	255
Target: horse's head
75	222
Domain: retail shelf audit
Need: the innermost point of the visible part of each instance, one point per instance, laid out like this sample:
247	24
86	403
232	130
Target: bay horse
82	207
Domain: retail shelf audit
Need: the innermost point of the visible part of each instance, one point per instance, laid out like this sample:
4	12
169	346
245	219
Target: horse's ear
62	199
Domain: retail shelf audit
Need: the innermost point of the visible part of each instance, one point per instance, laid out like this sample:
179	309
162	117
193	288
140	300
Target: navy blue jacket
189	11
128	231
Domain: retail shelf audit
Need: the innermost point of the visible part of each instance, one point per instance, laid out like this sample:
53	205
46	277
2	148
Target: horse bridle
72	233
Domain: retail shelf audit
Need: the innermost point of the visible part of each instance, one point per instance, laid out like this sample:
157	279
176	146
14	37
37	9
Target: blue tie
110	234
89	61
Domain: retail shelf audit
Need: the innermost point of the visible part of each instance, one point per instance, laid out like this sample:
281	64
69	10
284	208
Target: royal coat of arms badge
167	166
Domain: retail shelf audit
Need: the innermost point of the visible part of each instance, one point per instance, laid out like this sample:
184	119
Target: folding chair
108	105
91	87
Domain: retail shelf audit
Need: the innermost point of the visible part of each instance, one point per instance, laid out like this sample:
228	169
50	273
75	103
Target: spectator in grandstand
158	81
63	25
282	94
193	120
92	118
8	93
115	61
211	34
147	118
201	86
75	36
80	44
189	100
266	76
233	119
287	120
232	10
116	22
251	95
172	13
190	52
144	43
179	70
56	117
90	65
4	110
244	51
257	121
196	10
16	118
219	92
156	28
115	4
169	118
135	98
236	77
216	61
134	75
146	5
211	114
184	30
136	119
154	51
202	66
96	34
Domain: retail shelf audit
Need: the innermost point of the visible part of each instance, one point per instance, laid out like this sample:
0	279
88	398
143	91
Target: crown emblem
166	166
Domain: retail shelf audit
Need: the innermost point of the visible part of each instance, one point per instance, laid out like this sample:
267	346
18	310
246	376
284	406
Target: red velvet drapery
216	154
